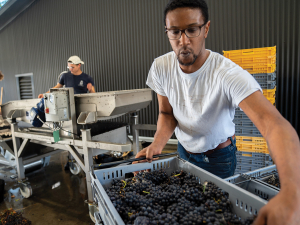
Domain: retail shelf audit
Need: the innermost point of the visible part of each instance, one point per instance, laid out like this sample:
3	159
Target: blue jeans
221	163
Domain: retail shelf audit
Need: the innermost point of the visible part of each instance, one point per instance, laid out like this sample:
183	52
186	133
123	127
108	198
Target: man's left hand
284	208
89	87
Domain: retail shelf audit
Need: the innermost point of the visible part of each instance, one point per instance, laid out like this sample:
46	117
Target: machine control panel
57	106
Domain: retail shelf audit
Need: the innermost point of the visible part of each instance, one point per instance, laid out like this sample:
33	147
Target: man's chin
187	61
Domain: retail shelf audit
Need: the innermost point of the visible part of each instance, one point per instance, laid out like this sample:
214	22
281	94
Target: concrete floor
47	206
61	205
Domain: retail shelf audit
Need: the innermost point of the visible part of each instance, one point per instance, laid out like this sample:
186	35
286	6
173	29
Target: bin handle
111	164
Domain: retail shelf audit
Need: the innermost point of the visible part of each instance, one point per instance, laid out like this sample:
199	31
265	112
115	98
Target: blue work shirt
78	82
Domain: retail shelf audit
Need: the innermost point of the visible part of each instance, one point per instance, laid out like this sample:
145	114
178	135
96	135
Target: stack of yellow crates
252	148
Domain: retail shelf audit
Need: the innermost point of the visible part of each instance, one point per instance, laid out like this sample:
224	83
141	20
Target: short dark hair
174	4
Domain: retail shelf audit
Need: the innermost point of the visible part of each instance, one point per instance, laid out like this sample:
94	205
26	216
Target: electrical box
57	105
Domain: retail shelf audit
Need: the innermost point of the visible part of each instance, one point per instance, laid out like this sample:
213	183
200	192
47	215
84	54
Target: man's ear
207	29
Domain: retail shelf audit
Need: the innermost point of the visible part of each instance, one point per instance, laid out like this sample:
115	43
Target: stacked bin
252	148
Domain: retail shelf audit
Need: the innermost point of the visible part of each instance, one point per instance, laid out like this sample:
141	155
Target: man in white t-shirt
198	91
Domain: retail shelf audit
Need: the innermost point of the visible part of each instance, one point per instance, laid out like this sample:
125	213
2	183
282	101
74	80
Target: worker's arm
91	88
166	124
284	147
57	86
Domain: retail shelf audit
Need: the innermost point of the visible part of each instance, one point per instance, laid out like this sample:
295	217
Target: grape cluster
156	198
274	180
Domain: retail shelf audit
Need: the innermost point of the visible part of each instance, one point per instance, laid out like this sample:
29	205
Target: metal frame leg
88	161
16	145
134	120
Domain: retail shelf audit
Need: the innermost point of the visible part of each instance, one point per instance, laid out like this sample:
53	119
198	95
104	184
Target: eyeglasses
190	32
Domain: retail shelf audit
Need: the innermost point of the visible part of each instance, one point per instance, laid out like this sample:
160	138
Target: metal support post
88	161
134	120
16	145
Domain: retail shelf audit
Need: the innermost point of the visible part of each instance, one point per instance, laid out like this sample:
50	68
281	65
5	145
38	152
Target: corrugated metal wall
118	40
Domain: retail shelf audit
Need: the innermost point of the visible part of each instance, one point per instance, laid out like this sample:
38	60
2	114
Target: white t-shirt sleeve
238	85
155	80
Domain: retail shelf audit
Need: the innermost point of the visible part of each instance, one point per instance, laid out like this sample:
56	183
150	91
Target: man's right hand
41	96
148	153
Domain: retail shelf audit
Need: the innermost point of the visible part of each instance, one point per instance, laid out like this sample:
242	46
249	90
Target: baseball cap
75	60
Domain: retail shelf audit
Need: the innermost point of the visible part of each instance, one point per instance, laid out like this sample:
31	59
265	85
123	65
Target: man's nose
184	40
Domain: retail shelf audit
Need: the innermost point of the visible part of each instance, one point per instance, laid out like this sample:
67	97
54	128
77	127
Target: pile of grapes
274	180
156	198
11	217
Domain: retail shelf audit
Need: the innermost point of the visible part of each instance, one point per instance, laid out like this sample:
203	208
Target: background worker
75	78
198	91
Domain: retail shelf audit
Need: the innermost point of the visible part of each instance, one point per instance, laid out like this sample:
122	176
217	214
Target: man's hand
148	153
284	208
41	96
89	87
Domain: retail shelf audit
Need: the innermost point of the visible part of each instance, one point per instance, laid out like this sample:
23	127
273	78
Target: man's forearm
166	124
284	147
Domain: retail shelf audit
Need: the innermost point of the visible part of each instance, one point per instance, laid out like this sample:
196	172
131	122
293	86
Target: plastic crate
263	172
254	162
267	85
259	68
259	173
264	77
252	145
252	52
244	204
269	93
247	168
254	59
247	131
242	146
250	139
243	122
254	155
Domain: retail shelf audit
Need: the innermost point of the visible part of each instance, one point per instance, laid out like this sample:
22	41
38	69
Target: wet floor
62	205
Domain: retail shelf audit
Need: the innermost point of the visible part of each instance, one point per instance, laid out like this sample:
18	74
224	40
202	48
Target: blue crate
252	162
255	156
247	131
264	77
243	122
267	85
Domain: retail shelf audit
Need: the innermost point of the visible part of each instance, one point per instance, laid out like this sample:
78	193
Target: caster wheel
76	168
26	191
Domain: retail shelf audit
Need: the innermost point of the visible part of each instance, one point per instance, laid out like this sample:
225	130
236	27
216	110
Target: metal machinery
7	156
77	124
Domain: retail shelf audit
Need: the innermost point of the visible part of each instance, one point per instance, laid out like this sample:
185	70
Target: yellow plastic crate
259	68
252	147
257	52
254	60
269	93
250	139
251	144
